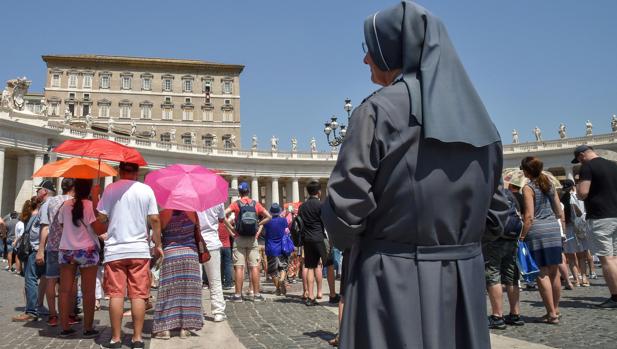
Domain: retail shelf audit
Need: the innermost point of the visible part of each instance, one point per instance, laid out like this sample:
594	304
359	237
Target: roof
143	61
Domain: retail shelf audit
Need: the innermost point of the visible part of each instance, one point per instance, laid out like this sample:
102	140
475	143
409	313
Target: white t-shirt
76	237
209	224
127	204
19	230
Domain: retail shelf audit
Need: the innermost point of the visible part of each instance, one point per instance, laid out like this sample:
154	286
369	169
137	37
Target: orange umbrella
296	205
75	168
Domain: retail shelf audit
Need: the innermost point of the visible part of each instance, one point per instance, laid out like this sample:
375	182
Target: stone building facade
184	101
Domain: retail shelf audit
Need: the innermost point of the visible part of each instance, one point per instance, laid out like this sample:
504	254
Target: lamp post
331	127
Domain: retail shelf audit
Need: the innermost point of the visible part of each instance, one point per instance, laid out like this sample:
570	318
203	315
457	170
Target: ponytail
544	183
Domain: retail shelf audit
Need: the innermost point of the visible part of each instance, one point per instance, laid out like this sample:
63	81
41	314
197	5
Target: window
165	137
87	81
208	140
187	100
208	115
146	84
71	95
55	80
73	80
188	86
125	111
167	100
167	114
227	142
227	86
187	114
227	101
86	96
228	116
55	109
105	81
146	112
126	82
207	86
187	138
104	111
167	84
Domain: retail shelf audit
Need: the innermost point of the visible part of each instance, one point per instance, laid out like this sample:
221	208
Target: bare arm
558	211
266	219
582	189
40	254
529	211
155	223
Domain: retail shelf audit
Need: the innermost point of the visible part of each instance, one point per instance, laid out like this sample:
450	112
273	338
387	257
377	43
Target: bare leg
310	279
319	278
50	294
495	295
255	279
563	270
67	275
553	274
330	277
513	298
545	288
138	313
573	264
305	284
88	283
592	267
581	257
42	291
116	307
609	269
239	271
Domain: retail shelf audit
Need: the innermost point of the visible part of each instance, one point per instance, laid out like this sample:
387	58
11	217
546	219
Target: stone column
2	211
255	189
295	190
38	162
268	195
234	185
275	190
288	191
569	172
25	164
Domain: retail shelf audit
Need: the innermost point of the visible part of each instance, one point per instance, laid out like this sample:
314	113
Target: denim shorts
52	266
82	258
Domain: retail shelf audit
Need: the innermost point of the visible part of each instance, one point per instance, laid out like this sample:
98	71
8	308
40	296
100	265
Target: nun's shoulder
389	98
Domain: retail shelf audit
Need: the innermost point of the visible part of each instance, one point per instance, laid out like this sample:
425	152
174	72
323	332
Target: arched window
187	138
208	140
227	142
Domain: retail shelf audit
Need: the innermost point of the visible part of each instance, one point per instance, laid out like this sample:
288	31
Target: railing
559	143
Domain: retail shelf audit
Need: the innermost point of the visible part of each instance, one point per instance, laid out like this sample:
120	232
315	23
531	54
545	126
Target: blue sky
533	62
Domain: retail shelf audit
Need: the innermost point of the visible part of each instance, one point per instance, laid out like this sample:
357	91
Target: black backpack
514	223
24	248
297	226
246	223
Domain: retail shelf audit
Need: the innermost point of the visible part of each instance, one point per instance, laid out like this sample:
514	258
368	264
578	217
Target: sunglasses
364	48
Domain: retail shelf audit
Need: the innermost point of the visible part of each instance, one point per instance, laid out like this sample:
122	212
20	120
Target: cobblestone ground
283	322
581	326
39	335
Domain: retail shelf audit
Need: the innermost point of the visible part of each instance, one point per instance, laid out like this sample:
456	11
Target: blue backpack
246	223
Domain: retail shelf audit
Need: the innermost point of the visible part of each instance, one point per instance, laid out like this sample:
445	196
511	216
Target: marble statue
588	128
133	128
19	90
5	102
313	145
110	125
193	137
88	120
232	141
214	140
562	131
254	142
294	144
43	107
274	143
514	136
172	135
614	123
538	134
152	131
67	116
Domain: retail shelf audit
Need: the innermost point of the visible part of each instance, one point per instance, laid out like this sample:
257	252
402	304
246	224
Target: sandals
334	341
546	319
162	335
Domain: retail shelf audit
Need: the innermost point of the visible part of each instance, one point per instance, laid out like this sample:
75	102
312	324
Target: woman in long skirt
178	304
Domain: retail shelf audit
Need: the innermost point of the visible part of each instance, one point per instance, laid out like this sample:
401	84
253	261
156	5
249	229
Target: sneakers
90	333
496	323
593	276
111	345
310	302
228	287
140	344
52	321
236	298
74	319
42	311
184	334
513	320
607	304
220	317
335	299
24	318
162	335
258	298
67	333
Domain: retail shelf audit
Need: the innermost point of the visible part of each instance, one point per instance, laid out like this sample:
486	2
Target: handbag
579	224
287	245
202	249
526	264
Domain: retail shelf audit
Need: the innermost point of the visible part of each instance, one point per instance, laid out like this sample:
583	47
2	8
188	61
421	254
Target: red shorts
129	277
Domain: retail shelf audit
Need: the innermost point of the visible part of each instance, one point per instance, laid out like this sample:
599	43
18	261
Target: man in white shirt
209	223
128	206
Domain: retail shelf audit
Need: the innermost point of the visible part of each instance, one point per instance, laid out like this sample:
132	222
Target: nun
414	191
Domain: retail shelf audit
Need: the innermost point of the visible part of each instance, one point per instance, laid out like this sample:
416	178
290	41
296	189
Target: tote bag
526	265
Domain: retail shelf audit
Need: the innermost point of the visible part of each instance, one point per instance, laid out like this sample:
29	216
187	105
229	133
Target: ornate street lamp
332	125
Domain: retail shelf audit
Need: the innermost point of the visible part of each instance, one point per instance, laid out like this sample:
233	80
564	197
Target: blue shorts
9	246
52	267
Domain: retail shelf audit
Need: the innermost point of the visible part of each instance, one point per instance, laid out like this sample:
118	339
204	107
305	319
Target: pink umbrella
187	187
